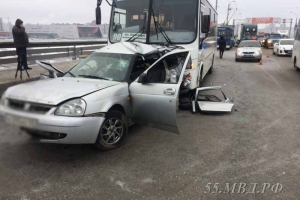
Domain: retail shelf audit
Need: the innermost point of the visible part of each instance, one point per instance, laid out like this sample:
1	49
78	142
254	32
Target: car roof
127	48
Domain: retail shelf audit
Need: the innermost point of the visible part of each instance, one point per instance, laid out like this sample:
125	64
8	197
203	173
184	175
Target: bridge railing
50	50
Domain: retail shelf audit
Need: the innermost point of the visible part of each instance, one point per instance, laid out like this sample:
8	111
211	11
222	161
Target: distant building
1	25
52	31
63	31
5	35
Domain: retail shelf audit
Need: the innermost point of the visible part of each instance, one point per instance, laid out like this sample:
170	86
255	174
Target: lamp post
233	16
296	23
227	21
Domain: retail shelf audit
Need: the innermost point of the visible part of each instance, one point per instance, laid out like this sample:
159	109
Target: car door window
167	70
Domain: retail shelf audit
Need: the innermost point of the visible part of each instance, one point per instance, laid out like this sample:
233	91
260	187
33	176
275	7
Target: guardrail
50	50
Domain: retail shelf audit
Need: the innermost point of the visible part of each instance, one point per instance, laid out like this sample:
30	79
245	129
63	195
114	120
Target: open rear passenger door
154	95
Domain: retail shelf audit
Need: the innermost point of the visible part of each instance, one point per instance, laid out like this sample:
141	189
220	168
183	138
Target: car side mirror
205	24
98	12
143	79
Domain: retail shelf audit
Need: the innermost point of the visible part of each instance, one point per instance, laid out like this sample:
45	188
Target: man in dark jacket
222	46
21	43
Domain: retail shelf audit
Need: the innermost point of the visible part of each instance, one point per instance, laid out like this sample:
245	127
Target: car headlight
73	108
258	52
239	52
269	41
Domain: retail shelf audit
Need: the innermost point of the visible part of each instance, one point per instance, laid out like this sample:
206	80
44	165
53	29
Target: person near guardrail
21	42
222	46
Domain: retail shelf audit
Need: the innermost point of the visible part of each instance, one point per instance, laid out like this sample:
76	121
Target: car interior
167	70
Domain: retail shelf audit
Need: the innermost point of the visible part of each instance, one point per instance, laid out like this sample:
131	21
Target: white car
284	47
248	50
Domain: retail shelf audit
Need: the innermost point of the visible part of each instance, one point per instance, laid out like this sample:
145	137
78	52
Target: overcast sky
82	11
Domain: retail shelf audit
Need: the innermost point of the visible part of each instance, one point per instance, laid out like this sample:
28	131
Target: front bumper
285	52
78	130
243	57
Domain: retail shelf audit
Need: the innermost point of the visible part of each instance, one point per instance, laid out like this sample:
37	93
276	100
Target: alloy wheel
112	131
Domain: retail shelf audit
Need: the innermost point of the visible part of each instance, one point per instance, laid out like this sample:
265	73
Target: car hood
249	49
287	47
55	91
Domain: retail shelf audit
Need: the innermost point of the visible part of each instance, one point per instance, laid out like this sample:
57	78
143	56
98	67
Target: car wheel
236	60
112	132
212	66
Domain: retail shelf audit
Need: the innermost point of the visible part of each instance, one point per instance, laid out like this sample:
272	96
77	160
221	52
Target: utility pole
291	28
216	5
227	14
227	19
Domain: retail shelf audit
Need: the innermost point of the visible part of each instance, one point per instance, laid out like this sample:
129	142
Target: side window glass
168	70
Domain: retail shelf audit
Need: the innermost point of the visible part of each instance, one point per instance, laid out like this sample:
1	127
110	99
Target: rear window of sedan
287	42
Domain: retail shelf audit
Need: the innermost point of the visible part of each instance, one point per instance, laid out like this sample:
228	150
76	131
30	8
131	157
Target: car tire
273	52
236	60
212	66
114	121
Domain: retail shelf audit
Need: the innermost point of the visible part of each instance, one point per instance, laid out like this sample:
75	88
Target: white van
296	51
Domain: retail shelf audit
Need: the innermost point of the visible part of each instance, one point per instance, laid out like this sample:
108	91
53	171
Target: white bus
181	23
296	49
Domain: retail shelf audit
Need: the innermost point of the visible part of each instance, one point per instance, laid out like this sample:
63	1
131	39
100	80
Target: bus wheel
212	66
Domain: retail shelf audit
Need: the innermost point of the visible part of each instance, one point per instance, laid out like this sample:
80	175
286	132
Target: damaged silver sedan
97	100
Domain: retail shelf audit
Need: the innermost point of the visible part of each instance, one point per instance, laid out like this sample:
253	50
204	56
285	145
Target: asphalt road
258	143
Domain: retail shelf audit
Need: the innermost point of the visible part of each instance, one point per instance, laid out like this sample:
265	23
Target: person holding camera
21	42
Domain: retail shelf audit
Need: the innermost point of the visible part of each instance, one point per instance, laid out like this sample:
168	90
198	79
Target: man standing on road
222	46
21	43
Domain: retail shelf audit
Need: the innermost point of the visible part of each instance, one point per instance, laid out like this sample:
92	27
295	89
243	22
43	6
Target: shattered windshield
106	66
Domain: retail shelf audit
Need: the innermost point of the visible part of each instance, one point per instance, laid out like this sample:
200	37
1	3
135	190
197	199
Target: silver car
97	100
248	50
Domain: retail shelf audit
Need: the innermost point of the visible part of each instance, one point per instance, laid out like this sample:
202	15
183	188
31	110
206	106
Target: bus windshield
250	31
228	33
176	17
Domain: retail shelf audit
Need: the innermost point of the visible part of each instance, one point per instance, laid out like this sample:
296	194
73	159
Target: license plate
248	56
290	52
21	121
